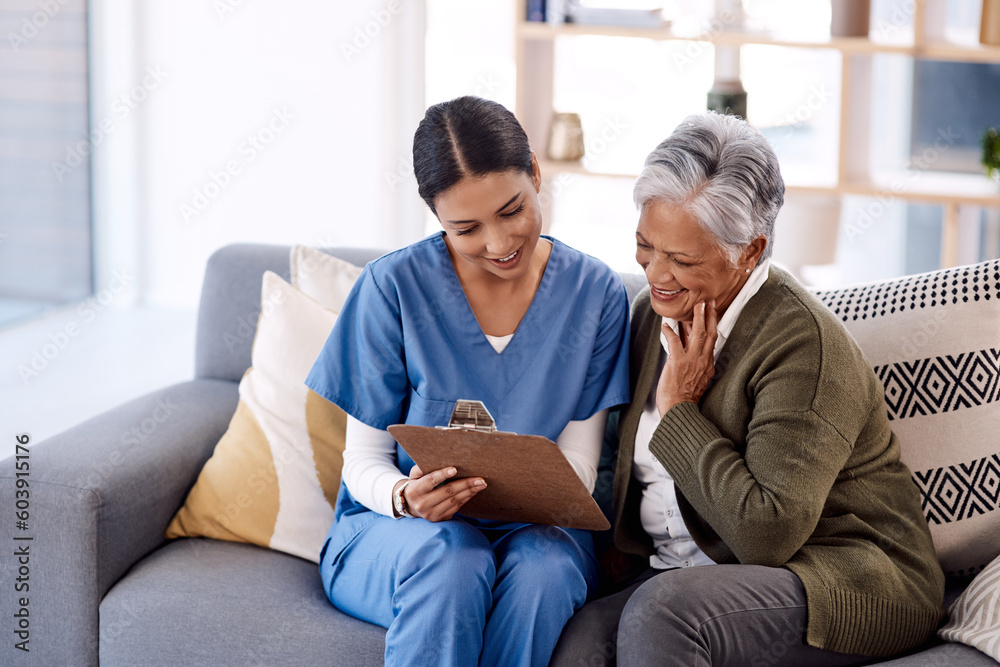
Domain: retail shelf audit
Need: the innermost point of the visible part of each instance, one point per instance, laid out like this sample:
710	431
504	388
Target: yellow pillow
274	475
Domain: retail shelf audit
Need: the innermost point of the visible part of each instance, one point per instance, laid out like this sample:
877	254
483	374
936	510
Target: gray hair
724	173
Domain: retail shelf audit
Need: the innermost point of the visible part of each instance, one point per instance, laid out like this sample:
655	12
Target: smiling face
493	222
683	264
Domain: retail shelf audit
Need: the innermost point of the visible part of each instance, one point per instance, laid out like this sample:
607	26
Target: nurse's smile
508	262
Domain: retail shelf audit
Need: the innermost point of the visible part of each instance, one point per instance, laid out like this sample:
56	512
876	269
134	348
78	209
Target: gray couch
105	587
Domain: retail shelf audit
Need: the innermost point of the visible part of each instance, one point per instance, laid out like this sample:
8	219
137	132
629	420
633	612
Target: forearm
580	442
370	471
766	504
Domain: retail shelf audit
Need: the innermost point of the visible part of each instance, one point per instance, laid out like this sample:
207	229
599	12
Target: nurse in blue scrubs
487	309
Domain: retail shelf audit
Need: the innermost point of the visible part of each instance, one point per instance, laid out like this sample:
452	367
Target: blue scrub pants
462	592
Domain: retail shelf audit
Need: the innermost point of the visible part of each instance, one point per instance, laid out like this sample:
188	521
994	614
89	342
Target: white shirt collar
753	284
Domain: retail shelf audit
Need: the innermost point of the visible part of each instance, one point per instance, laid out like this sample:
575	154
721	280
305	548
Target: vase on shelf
727	94
728	97
849	18
565	137
989	27
991	154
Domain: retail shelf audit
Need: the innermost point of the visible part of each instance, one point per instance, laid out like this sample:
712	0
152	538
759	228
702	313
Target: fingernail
713	304
451	471
481	484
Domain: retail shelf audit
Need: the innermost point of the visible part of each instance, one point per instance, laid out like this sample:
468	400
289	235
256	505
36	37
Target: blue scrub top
407	345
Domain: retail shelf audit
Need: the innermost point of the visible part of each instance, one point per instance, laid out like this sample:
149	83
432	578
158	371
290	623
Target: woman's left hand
689	367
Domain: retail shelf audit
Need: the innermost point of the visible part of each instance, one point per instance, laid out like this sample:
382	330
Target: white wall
310	104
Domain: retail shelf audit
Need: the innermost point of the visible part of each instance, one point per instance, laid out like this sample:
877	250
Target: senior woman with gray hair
758	479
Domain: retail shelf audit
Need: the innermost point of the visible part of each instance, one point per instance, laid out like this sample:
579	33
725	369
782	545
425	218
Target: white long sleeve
580	442
370	470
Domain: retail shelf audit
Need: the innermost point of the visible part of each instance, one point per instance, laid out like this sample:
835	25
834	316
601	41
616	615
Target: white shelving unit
957	194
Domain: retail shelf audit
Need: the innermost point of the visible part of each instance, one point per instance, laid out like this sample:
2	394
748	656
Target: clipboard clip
470	416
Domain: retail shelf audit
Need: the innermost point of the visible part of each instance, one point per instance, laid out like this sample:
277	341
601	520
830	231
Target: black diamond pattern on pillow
941	384
935	378
960	491
965	284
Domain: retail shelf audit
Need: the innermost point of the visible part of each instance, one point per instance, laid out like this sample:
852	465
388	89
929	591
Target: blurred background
137	137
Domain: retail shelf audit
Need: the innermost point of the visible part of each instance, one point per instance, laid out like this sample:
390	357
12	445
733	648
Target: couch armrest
101	495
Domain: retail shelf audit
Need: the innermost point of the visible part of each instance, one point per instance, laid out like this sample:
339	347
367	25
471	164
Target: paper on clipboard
528	478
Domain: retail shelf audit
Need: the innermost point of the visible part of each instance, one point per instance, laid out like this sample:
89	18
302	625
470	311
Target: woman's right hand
428	498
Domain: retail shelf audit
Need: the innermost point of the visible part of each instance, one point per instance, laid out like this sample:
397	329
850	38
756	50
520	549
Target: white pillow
274	475
321	276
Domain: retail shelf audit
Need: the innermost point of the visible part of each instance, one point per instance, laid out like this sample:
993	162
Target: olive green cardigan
789	461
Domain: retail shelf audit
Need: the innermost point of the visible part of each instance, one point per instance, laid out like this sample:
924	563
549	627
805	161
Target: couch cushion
634	282
944	655
205	602
934	341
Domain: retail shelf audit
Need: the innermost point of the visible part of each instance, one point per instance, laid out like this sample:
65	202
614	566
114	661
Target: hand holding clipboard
528	478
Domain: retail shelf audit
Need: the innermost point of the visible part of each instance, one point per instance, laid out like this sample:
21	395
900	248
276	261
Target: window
45	144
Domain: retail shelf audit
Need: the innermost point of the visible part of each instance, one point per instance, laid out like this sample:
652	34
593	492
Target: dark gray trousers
745	615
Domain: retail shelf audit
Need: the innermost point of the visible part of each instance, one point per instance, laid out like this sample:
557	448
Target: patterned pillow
974	619
934	341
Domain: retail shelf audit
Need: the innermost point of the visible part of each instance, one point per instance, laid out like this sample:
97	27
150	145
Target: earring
748	270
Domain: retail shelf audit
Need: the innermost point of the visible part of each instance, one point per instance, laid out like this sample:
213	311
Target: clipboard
528	478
